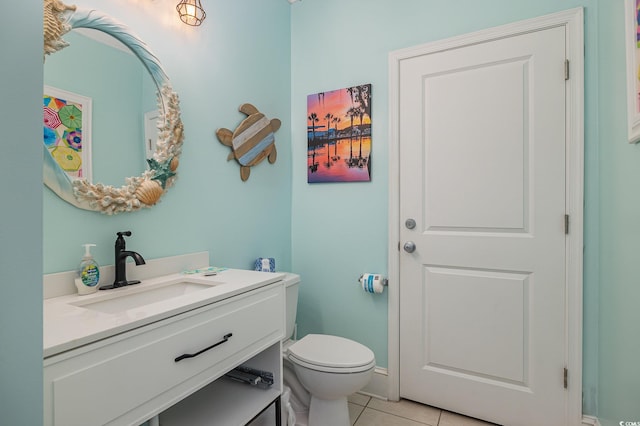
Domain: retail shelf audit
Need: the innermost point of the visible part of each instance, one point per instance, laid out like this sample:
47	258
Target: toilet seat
331	354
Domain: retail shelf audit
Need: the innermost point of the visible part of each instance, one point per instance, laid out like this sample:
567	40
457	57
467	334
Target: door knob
409	246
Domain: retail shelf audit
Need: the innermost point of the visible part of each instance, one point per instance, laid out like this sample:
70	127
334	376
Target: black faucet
121	262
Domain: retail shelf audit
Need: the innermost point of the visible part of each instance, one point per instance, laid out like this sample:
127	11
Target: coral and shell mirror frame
140	191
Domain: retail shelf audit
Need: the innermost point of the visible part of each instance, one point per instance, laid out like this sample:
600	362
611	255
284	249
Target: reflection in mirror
121	92
119	136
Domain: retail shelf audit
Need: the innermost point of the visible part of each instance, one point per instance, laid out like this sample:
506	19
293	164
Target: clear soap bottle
88	279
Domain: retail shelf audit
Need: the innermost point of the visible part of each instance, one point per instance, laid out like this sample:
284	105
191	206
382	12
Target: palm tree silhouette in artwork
351	91
362	96
313	117
328	117
329	163
360	115
352	113
314	166
335	121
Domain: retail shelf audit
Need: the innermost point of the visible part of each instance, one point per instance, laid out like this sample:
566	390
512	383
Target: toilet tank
291	282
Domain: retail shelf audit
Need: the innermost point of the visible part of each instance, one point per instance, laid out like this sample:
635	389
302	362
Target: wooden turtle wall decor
252	141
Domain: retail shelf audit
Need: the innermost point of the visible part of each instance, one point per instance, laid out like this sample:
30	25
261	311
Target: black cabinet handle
184	356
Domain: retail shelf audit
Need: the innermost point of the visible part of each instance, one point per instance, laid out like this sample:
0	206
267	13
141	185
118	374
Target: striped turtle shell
252	141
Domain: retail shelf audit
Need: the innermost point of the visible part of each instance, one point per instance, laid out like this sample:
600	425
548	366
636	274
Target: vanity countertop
67	325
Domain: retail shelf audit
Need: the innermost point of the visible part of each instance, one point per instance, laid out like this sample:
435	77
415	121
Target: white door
482	174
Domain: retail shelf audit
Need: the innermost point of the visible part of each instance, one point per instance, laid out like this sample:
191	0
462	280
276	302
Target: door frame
572	20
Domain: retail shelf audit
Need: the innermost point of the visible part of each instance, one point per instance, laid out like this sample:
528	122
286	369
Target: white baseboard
378	386
590	421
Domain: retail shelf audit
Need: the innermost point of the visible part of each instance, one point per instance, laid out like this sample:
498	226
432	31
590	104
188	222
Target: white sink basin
114	302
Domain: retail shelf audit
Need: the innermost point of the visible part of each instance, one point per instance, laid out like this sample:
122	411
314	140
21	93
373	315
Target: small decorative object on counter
265	264
209	270
252	141
88	273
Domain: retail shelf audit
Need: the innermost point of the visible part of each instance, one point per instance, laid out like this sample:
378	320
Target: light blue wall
619	364
240	54
21	216
340	230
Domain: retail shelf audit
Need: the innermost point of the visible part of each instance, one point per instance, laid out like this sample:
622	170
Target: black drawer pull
184	356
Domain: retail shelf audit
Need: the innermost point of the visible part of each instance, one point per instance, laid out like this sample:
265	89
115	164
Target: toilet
321	370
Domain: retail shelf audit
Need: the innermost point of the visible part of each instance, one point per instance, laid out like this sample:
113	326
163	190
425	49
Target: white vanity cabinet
130	377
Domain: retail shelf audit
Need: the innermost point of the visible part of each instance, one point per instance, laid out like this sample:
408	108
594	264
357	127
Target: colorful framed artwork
67	131
339	135
632	36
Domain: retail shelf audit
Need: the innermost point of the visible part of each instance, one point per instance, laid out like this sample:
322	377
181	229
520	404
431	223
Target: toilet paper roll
373	283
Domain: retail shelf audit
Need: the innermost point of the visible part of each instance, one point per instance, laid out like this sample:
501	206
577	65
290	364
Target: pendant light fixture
191	12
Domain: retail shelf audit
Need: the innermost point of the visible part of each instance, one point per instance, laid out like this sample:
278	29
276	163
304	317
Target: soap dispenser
88	273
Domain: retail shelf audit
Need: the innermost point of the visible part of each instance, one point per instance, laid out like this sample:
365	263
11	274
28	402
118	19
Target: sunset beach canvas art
339	135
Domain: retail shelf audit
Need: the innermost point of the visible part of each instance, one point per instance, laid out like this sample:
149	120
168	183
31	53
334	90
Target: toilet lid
331	351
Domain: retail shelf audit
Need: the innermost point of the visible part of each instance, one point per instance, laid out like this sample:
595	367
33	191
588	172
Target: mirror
122	148
120	92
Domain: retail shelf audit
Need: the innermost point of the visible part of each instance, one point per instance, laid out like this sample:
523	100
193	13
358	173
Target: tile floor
367	411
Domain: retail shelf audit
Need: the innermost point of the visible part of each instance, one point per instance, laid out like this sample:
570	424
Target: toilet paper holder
373	283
